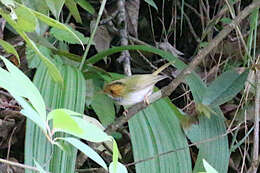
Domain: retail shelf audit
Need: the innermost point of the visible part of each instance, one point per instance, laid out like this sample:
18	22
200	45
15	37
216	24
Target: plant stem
92	34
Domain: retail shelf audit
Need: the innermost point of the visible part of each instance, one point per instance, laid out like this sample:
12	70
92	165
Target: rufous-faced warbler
134	89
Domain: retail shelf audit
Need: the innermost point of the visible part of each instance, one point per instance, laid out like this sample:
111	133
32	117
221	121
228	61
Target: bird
134	89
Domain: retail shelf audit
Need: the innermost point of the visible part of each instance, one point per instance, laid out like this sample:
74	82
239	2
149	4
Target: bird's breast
136	96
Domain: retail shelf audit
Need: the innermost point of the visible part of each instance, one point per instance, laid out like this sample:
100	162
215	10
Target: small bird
134	89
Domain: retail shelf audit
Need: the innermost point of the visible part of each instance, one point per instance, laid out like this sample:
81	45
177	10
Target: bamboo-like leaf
26	20
91	132
53	71
120	168
9	49
207	129
208	167
86	5
72	6
63	122
151	2
17	83
224	88
8	3
86	150
156	130
55	7
63	35
41	170
55	24
104	108
70	96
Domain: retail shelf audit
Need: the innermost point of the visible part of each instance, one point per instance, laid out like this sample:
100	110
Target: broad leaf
17	83
86	5
72	6
41	170
26	20
55	7
86	150
120	168
8	3
9	49
104	108
70	96
224	88
63	122
64	35
151	2
56	24
208	167
156	130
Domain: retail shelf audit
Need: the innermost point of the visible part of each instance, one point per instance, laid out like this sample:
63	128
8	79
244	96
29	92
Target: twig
93	33
122	24
166	91
255	161
18	165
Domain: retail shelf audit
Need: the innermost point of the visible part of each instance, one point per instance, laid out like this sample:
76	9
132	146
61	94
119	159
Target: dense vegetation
57	56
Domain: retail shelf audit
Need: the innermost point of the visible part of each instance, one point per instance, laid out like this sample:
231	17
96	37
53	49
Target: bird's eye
112	92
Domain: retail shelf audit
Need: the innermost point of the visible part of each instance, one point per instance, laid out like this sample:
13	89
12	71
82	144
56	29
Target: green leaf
9	49
40	6
56	24
101	55
72	6
86	150
91	132
156	130
41	170
224	88
26	20
151	2
115	156
63	122
17	83
213	128
55	7
52	69
203	44
86	6
226	20
120	168
204	109
64	35
70	96
208	167
8	3
104	108
29	112
207	129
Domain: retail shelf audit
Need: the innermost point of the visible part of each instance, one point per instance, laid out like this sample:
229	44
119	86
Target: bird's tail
160	69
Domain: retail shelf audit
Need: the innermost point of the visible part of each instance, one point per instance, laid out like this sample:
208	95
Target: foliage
69	79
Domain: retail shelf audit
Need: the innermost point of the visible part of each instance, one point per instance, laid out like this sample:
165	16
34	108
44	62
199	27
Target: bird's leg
146	101
125	112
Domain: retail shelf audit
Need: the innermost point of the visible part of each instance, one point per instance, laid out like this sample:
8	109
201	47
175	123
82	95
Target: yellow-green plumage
133	89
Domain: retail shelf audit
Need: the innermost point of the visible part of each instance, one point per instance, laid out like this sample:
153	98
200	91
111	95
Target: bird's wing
142	81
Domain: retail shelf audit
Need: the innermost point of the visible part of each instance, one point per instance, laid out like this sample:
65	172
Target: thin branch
122	24
166	91
18	165
93	33
255	162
